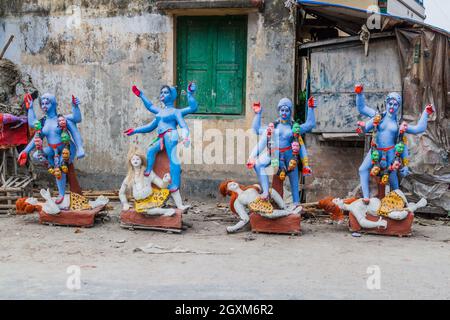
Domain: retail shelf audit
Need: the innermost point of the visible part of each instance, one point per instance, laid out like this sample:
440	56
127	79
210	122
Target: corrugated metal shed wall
335	69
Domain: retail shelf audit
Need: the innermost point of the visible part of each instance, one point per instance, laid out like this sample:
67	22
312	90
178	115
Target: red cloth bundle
13	137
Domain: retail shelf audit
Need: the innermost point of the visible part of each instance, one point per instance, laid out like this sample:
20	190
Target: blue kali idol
283	142
389	153
64	141
167	119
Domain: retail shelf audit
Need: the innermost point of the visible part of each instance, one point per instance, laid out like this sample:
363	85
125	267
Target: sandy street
325	262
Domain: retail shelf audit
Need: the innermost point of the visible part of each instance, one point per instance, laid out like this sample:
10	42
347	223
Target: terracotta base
285	225
34	209
84	218
397	228
135	220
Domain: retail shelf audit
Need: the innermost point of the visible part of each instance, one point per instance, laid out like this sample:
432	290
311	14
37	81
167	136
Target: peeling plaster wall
98	49
335	165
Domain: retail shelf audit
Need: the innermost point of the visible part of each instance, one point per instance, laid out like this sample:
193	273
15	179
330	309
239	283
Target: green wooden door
212	52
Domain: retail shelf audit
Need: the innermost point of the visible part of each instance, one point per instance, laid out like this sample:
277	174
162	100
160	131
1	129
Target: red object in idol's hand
251	163
129	132
359	88
136	91
307	171
311	102
430	109
191	87
256	107
27	99
22	159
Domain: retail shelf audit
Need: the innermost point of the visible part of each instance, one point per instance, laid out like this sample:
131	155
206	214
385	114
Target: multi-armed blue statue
284	145
63	139
167	119
389	152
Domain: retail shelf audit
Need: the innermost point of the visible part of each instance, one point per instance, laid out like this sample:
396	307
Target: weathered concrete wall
98	49
335	165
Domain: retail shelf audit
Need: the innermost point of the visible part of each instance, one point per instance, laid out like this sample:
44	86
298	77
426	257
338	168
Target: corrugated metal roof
351	19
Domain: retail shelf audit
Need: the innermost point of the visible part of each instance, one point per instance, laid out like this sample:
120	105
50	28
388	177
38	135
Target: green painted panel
203	81
196	54
228	96
226	45
212	52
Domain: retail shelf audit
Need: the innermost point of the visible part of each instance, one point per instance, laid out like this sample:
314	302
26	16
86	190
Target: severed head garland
295	145
60	165
380	167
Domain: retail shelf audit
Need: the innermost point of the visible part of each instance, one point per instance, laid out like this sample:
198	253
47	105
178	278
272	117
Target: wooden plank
9	189
5	198
432	211
14	156
344	40
3	171
11	184
25	182
18	183
8	43
101	193
7	206
142	227
7	181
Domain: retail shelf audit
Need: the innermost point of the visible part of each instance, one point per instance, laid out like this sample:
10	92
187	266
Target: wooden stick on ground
6	46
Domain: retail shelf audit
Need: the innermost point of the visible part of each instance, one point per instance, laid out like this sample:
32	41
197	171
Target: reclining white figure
360	209
242	197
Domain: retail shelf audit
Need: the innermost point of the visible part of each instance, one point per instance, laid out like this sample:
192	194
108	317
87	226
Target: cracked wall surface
98	49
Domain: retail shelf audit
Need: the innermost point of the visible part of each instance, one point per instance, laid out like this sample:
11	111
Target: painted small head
62	123
48	103
233	186
270	129
393	103
285	109
168	95
136	161
295	147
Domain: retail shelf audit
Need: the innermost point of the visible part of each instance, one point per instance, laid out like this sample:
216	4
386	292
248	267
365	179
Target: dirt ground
326	262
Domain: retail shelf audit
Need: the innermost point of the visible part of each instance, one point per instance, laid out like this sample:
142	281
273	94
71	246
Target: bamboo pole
6	46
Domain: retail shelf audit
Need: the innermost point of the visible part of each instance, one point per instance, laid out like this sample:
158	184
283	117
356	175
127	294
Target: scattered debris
74	252
152	248
188	224
250	237
78	231
121	241
356	235
13	86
